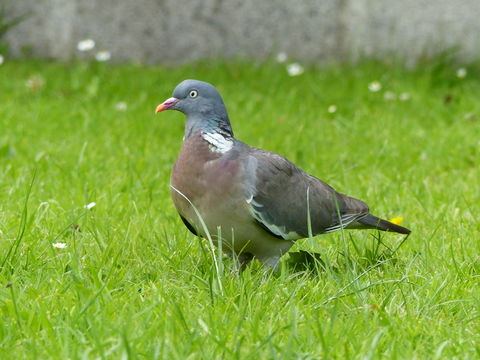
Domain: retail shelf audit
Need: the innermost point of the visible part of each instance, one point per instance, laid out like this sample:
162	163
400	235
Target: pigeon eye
193	93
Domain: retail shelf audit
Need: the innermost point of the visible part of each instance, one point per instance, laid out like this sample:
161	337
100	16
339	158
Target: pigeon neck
214	124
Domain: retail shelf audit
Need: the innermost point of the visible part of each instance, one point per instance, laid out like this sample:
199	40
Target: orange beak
167	104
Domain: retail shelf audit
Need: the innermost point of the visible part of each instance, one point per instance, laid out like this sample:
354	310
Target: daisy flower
86	45
59	245
281	57
295	69
374	86
90	206
332	109
103	56
461	73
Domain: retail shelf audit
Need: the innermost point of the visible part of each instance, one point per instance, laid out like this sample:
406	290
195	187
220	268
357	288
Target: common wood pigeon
256	200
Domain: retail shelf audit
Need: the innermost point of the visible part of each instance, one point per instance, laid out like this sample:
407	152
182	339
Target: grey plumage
284	196
261	201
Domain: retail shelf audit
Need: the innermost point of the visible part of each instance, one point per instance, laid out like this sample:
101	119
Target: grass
134	283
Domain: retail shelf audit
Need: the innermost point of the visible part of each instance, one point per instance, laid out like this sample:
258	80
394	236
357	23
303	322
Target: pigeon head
203	106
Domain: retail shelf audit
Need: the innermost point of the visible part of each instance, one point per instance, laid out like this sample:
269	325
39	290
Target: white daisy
404	96
295	69
103	56
90	206
332	108
461	73
374	86
86	45
59	245
282	57
121	106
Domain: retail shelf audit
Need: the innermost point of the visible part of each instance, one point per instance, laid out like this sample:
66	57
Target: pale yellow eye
193	93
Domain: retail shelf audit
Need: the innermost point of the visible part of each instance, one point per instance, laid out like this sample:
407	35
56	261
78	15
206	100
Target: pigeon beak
167	104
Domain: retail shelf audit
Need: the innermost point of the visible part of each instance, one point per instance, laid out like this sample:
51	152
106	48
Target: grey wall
176	31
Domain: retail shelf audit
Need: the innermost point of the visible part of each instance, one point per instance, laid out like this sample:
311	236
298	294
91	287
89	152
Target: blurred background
173	32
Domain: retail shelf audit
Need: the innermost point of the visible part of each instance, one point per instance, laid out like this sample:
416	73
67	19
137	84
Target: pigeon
256	202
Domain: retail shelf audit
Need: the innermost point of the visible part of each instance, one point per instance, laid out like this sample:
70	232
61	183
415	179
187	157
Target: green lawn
132	282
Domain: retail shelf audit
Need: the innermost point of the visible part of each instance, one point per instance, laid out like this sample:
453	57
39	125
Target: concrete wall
177	31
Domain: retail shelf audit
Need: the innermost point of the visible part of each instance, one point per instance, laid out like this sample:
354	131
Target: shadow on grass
376	255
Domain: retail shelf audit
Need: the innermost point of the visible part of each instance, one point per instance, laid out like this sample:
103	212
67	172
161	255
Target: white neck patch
217	142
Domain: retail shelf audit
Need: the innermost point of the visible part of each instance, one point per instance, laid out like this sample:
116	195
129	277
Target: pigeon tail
374	222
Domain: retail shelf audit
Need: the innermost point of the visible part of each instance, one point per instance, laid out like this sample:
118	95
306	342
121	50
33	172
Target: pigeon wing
286	201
